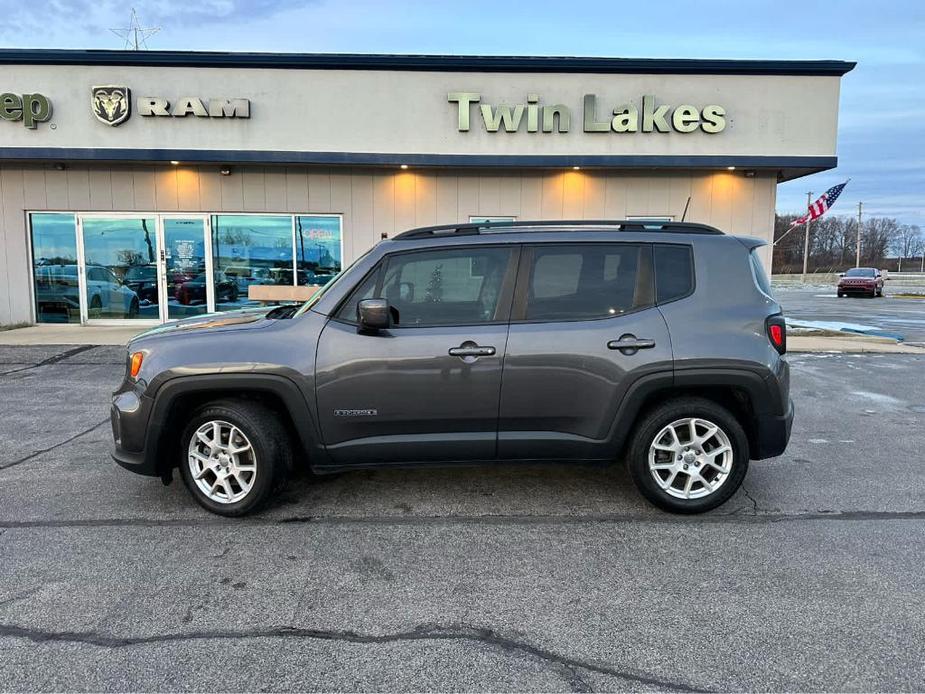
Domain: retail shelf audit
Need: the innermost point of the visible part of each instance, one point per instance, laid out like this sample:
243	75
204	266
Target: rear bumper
772	433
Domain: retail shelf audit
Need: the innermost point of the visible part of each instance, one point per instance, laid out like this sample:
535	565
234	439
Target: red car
864	281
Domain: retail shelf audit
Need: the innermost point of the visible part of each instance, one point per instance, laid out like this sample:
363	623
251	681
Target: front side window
588	281
447	286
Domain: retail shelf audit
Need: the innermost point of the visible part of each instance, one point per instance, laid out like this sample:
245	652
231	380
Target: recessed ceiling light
404	166
174	162
730	168
576	168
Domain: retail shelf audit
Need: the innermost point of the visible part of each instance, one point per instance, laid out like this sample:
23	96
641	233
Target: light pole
809	199
857	259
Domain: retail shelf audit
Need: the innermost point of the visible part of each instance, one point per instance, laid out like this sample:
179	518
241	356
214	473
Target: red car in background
863	281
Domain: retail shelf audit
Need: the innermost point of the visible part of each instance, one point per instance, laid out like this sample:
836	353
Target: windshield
860	272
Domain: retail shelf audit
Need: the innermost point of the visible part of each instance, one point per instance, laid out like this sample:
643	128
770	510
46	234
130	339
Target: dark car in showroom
861	281
194	291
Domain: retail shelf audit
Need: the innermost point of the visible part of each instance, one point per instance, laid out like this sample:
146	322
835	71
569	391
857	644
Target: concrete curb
850	345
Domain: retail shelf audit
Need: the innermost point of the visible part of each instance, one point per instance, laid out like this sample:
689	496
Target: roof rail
470	228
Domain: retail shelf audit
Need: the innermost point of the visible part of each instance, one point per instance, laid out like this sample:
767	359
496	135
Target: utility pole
809	199
857	260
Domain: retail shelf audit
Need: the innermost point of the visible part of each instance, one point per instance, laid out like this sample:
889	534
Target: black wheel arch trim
288	392
755	380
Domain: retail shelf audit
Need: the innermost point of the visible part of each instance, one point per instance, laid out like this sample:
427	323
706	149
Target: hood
245	319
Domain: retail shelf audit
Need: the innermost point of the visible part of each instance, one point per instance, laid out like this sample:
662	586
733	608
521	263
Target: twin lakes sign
112	105
533	117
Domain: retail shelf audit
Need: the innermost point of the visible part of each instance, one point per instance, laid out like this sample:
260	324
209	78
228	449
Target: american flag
819	208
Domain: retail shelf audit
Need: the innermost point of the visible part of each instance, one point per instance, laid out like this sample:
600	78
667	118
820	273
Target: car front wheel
235	454
688	455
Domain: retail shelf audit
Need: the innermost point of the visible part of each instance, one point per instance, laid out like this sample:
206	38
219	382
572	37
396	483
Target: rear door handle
629	344
470	349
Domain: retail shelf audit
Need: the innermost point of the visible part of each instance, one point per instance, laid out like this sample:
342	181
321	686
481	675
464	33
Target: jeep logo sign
29	108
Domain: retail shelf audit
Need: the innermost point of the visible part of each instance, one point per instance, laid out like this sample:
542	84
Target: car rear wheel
688	455
235	456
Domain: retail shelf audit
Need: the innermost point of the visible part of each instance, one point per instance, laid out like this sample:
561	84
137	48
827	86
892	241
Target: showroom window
54	268
98	267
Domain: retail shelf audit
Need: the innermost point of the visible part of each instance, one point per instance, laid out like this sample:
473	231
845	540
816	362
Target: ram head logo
111	104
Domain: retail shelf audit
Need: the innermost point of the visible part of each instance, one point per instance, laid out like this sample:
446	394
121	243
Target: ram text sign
649	116
112	105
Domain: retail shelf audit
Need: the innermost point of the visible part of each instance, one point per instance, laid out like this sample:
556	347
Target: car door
584	326
427	388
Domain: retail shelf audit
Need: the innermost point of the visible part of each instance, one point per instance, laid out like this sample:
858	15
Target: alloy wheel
690	458
222	462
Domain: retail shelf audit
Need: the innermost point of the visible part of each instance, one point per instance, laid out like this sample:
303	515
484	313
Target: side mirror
841	274
374	314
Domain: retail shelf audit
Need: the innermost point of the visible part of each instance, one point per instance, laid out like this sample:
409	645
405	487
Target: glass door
119	268
187	266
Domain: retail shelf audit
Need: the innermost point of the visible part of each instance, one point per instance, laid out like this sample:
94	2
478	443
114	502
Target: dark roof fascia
424	63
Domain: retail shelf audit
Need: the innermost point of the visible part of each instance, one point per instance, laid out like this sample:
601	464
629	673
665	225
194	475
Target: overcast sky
881	143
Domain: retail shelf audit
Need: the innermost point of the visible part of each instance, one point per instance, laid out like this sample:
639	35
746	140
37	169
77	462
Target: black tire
269	440
653	421
133	308
840	295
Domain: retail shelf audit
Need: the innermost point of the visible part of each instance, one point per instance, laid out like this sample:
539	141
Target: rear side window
761	277
588	281
674	272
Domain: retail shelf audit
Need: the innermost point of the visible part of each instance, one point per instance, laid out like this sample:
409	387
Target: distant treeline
885	243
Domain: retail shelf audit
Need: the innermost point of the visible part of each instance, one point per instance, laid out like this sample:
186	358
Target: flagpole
809	200
857	261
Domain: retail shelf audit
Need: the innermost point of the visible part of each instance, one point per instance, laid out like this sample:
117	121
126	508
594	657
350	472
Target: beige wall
373	201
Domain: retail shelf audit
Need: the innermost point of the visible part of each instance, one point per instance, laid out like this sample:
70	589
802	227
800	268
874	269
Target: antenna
134	36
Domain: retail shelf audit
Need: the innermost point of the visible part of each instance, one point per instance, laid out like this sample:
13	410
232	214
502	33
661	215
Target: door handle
470	349
630	344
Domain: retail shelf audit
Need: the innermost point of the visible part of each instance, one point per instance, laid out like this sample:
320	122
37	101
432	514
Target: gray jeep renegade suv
656	343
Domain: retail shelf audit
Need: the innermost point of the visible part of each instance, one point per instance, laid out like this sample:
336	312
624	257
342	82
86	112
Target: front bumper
857	289
772	434
129	419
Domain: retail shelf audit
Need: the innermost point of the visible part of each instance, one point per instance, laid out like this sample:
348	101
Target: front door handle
472	350
630	344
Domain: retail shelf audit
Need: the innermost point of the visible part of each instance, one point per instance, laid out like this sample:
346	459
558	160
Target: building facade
147	186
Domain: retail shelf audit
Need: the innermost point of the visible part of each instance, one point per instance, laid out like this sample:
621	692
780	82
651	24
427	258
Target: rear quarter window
674	272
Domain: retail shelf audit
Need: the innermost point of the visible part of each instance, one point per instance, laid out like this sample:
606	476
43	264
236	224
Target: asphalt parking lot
522	579
905	317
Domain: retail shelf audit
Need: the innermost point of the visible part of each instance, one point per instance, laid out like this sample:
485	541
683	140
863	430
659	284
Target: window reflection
248	250
54	268
120	254
318	248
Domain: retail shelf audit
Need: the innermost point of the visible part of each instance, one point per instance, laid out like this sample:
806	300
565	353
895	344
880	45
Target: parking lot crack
67	354
37	453
424	632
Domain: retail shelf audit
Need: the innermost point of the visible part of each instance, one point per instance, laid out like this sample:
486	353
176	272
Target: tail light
776	328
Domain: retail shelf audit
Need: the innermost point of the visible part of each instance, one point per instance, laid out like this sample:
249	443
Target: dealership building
153	185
